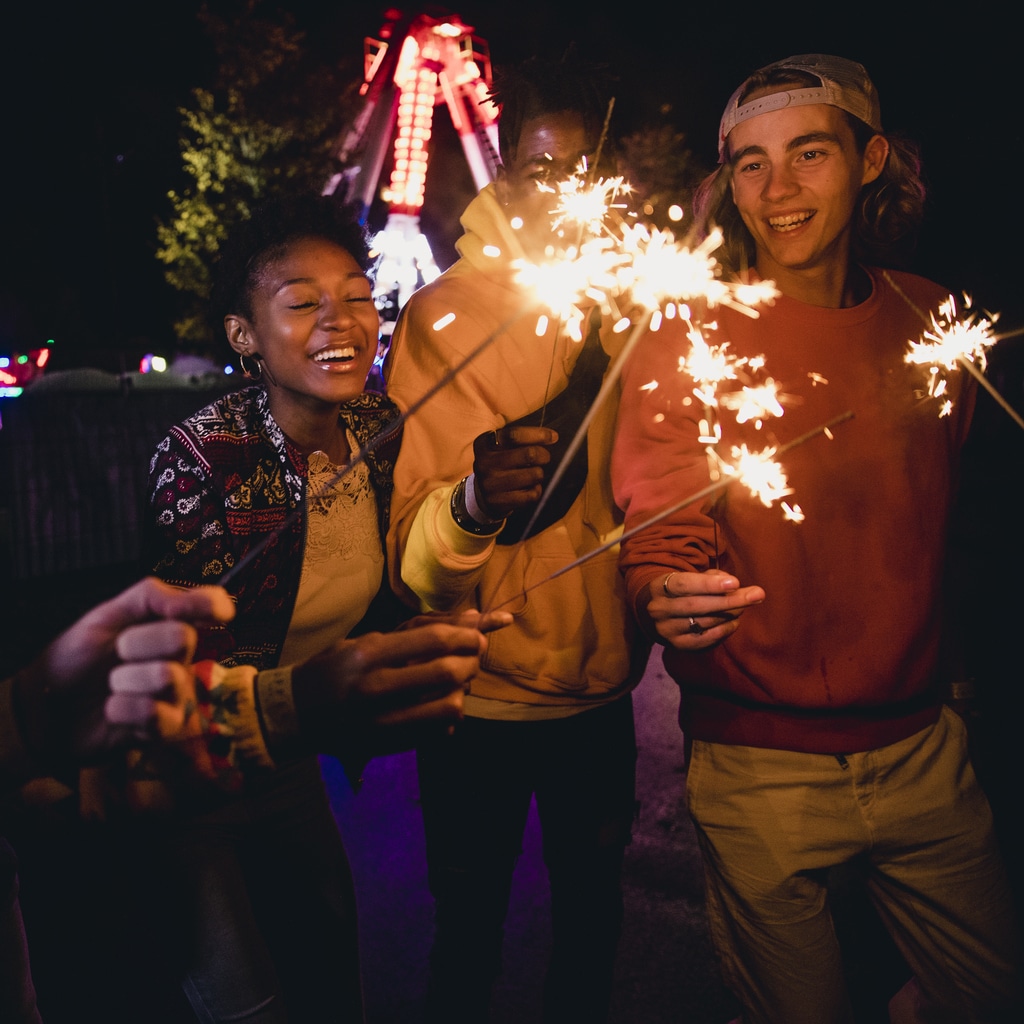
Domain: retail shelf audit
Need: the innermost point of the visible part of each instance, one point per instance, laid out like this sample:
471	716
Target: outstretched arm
669	561
367	695
381	692
57	702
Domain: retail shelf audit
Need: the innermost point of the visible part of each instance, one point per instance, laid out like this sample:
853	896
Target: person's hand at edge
62	695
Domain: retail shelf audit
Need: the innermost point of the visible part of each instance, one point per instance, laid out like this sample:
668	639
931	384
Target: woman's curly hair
273	225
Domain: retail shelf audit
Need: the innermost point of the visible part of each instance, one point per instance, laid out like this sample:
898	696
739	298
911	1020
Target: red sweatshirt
842	655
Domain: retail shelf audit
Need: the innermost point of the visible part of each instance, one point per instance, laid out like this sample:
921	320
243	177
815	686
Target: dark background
90	132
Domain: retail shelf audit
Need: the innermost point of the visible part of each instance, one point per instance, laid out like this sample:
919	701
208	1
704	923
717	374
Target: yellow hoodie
572	644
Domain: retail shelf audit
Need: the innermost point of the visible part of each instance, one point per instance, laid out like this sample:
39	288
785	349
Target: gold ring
664	584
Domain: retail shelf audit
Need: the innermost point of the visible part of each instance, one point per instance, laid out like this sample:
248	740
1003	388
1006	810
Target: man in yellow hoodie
550	713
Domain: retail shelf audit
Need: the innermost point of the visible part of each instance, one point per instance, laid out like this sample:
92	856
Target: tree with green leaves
270	119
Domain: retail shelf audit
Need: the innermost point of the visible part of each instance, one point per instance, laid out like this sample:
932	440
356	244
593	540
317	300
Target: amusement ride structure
420	62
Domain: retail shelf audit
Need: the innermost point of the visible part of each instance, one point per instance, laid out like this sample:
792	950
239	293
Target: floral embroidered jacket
224	481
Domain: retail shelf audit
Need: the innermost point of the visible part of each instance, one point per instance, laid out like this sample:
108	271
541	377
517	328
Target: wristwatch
464	520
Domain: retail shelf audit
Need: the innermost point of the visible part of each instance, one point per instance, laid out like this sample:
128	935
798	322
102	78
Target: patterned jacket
225	486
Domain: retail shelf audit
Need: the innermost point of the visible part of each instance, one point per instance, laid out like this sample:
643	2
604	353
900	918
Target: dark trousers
475	789
265	908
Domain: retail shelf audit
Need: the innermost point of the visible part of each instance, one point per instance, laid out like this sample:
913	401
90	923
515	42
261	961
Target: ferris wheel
418	63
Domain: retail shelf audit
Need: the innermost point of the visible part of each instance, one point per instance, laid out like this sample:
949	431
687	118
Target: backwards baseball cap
843	83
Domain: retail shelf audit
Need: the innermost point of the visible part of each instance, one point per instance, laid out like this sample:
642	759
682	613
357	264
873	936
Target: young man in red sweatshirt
808	653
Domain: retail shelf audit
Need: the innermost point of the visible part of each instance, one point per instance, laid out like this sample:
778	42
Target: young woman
265	485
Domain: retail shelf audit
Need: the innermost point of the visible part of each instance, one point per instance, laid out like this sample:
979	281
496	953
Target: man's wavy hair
887	217
539	86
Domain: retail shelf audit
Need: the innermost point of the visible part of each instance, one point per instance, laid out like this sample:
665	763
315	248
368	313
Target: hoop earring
246	372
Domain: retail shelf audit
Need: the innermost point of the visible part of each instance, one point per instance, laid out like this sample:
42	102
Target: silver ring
664	584
695	626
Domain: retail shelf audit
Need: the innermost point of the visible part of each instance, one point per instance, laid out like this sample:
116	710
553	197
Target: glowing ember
754	403
757	470
951	339
952	343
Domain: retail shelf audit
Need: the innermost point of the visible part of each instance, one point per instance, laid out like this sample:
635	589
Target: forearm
249	718
441	562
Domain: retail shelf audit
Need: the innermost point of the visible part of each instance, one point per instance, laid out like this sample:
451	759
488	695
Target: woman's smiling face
314	323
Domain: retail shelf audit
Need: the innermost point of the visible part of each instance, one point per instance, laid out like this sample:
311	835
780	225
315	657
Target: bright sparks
609	259
951	339
620	264
760	474
949	344
660	270
753	403
586	204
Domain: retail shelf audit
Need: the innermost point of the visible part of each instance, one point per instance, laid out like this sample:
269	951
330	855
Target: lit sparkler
710	366
627	264
953	342
952	339
763	476
754	481
586	204
622	265
754	403
660	270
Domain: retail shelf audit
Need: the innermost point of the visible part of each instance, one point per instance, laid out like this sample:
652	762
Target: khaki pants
772	822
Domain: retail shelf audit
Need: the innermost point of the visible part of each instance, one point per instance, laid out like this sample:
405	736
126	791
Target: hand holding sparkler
751	470
382	692
508	468
694	610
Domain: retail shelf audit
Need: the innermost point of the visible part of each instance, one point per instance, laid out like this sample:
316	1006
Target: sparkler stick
604	134
610	379
377	440
987	385
713	488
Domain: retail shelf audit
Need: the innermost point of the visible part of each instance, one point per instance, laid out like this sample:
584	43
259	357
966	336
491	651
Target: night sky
90	132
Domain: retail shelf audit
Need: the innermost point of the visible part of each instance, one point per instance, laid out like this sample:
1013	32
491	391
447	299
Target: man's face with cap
796	176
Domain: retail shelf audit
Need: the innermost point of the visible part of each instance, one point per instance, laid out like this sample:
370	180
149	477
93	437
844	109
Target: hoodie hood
484	223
